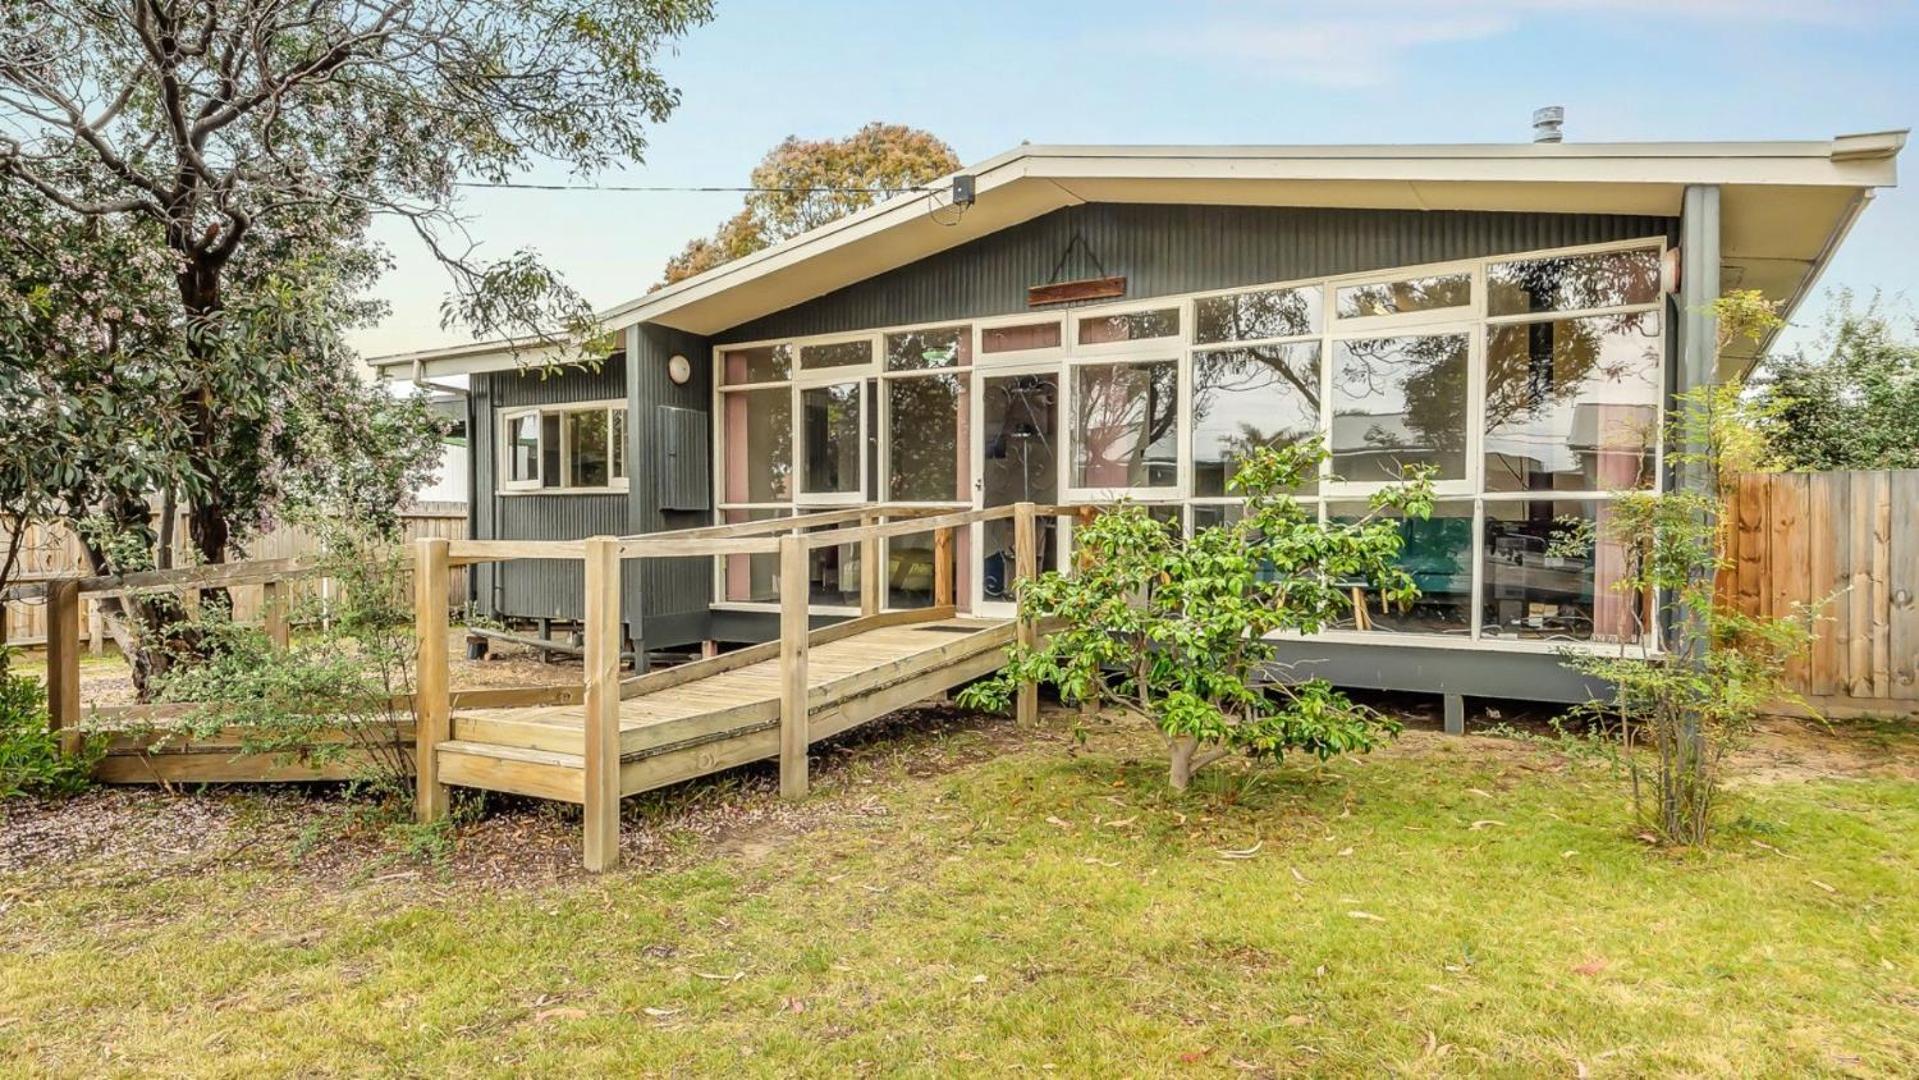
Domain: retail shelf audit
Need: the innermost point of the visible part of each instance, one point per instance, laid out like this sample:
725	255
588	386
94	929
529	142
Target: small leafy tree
32	759
1852	404
1700	671
337	691
1174	631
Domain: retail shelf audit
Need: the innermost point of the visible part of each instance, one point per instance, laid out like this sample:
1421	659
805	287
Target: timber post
431	703
1025	567
273	613
943	567
871	596
63	662
601	771
794	734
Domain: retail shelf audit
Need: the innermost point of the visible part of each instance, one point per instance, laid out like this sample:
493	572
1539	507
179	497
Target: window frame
505	415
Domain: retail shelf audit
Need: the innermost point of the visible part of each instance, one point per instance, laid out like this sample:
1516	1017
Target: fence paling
1847	545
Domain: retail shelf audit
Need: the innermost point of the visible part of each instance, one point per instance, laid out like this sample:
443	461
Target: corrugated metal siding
682	478
677	591
1178	249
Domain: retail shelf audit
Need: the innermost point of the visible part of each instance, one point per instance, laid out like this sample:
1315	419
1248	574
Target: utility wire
671	187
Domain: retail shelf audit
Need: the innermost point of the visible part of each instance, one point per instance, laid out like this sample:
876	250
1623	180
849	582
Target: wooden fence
1848	544
49	552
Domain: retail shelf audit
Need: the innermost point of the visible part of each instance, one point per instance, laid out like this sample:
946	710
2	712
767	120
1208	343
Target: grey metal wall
1178	249
677	591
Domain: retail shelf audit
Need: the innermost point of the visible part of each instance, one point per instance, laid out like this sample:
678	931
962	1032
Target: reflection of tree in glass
1401	297
1414	388
1535	369
1131	326
923	440
1573	283
1283	379
1121	412
915	350
1251	316
1020	445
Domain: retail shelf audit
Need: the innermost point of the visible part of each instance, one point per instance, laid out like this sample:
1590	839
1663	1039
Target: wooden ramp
715	714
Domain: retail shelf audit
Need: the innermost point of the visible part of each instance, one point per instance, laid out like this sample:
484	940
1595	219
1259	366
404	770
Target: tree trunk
1181	775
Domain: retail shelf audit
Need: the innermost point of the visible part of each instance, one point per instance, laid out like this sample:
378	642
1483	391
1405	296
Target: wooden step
521	770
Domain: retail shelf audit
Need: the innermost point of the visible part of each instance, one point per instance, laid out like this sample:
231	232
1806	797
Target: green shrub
30	759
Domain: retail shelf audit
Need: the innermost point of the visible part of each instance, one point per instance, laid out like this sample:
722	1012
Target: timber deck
680	723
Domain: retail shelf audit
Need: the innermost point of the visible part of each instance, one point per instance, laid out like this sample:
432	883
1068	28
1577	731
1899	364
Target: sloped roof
1785	208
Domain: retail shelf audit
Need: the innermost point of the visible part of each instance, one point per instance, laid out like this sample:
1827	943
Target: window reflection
1438	552
767	363
1573	404
831	424
1433	293
1244	399
1399	401
1254	315
1124	425
837	354
759	441
1131	326
1549	573
1573	282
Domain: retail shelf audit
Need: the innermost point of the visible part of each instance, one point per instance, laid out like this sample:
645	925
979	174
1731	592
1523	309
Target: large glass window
1549	572
1573	404
926	423
830	420
1399	401
920	350
1125	420
764	363
751	579
1573	282
588	449
1243	399
758	433
1019	453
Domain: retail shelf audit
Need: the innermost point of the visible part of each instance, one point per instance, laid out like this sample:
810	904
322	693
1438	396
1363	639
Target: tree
802	184
1854	407
223	129
1174	631
1691	694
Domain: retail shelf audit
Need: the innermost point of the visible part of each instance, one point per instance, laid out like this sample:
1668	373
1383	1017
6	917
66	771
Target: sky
986	76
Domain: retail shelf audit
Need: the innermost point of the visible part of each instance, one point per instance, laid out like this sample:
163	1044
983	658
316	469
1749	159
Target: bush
31	761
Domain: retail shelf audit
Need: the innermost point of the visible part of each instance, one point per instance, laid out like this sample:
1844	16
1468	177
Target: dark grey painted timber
682	477
677	591
1163	250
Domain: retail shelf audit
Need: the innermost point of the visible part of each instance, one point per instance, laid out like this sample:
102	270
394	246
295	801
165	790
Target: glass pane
550	450
1253	315
1124	425
1399	401
1247	398
1132	326
1573	282
619	444
830	419
1005	339
925	438
1404	297
759	445
1438	553
833	574
588	461
767	363
1020	463
918	350
523	434
1573	404
838	354
752	578
1213	515
1548	574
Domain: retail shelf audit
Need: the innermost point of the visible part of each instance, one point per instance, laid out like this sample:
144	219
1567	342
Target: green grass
1041	909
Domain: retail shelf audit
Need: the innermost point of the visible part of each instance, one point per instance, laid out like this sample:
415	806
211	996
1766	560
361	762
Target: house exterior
1519	317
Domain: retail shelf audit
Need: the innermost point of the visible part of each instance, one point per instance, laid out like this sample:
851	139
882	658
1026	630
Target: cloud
1365	44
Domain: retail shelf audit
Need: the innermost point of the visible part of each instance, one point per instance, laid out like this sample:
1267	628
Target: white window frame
505	415
1060	361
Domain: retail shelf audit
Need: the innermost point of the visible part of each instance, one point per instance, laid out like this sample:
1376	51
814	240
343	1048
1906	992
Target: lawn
961	899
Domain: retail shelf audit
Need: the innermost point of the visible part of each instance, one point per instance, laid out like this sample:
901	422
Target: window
919	350
751	578
1399	401
765	363
1550	573
758	434
1244	399
1573	404
926	414
1130	326
837	354
831	432
1406	296
1438	552
1573	282
1251	316
1025	337
1124	428
564	448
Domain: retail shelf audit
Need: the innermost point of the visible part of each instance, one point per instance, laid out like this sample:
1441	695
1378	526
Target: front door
1018	458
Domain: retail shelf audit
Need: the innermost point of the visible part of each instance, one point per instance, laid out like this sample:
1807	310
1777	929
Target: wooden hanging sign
1066	292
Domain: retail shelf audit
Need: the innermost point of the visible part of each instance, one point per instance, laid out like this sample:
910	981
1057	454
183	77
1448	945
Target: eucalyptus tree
252	142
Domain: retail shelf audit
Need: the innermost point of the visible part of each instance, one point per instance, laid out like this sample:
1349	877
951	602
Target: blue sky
986	75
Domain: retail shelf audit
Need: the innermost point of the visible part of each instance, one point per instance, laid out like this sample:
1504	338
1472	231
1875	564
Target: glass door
1019	456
